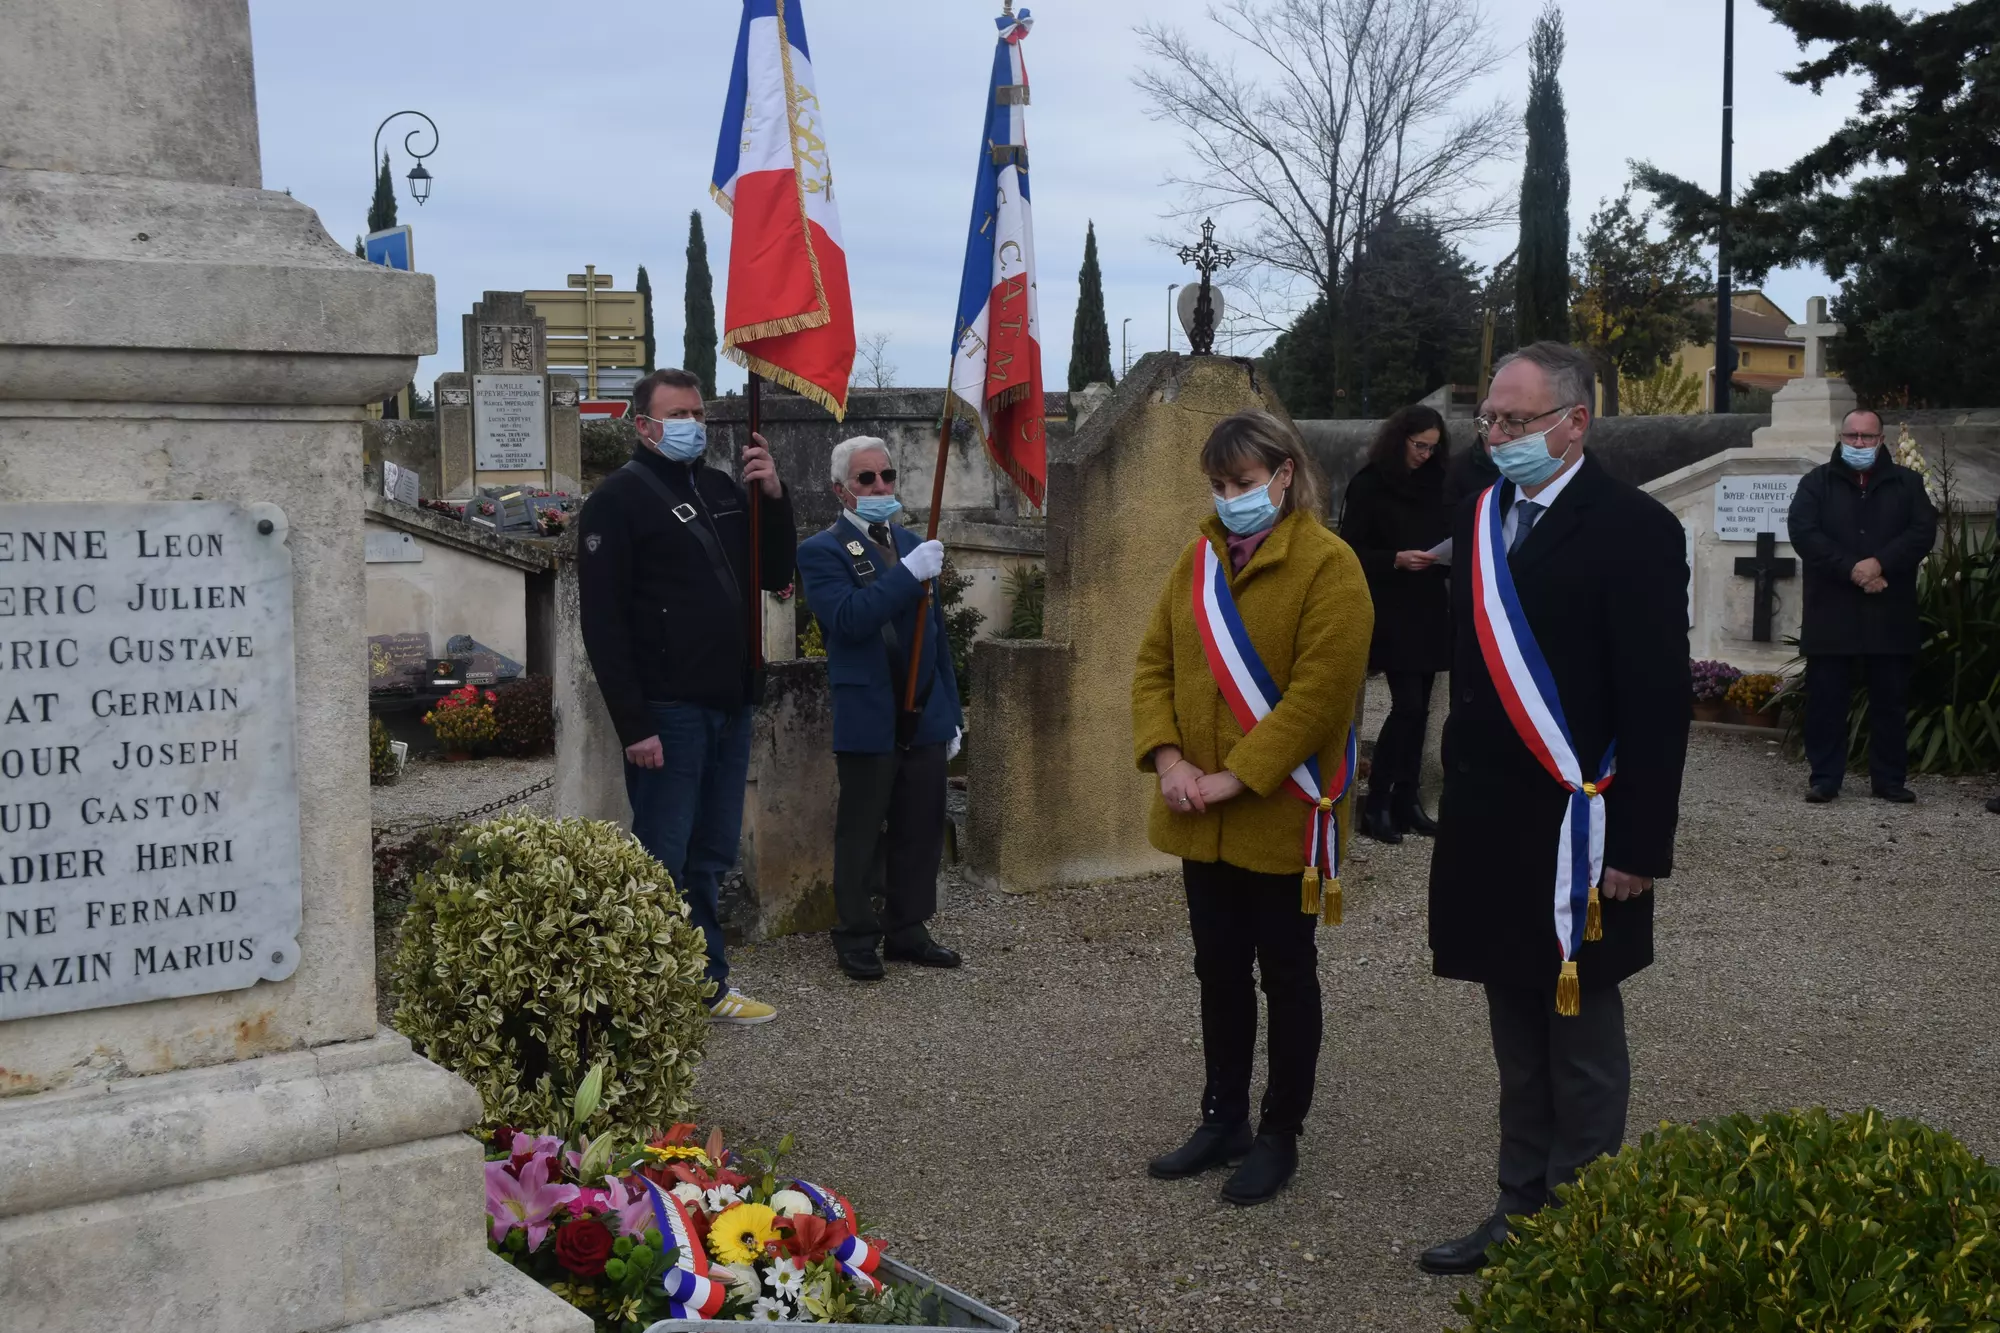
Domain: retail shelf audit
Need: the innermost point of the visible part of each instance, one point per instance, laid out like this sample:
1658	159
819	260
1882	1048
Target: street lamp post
419	178
1719	398
1172	287
1125	337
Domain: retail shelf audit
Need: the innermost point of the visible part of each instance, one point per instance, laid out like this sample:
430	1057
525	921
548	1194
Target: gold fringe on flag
1569	992
1008	396
1593	918
798	384
1309	891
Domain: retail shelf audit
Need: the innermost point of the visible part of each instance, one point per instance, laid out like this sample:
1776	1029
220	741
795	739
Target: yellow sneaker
741	1010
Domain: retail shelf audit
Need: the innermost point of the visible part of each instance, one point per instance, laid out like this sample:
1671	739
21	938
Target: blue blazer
865	700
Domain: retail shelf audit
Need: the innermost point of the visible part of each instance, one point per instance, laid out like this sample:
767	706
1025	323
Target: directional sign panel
391	249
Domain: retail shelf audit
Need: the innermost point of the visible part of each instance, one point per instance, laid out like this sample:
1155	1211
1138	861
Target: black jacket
1387	512
1840	518
1603	582
1471	472
657	621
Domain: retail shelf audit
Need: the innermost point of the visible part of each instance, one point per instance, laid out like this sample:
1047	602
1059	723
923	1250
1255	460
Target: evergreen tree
1090	342
699	339
360	248
1897	204
1541	302
382	211
1635	296
645	289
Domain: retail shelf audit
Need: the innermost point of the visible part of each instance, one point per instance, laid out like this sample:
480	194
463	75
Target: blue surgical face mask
1249	512
877	508
1526	461
683	440
1857	457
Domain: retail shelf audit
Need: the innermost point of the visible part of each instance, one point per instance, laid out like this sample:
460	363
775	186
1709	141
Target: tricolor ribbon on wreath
1251	694
857	1258
691	1294
1527	690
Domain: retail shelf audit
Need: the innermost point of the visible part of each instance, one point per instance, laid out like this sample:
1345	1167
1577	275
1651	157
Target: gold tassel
1330	904
1593	918
1569	992
1309	898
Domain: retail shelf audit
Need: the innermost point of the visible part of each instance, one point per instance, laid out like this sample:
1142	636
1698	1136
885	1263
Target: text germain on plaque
149	813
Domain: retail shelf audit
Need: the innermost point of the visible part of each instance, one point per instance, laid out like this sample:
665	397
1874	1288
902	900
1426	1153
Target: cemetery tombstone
505	421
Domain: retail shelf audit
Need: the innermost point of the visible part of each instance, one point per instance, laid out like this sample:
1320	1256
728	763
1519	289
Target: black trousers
1564	1087
888	841
1829	686
1240	920
1399	747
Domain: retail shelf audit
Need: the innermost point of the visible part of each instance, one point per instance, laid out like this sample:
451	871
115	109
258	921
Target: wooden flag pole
756	608
937	508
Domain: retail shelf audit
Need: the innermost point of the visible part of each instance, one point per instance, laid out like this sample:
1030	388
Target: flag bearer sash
1251	693
1527	690
691	1293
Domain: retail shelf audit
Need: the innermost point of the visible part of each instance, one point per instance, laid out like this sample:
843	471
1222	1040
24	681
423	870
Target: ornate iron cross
1766	567
1207	257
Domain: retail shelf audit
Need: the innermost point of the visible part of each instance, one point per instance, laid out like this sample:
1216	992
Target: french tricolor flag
996	370
789	315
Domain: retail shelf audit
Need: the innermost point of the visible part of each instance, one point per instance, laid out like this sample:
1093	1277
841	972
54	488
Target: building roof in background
1748	323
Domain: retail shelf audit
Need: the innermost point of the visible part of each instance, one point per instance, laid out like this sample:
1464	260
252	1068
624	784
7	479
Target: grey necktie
1525	514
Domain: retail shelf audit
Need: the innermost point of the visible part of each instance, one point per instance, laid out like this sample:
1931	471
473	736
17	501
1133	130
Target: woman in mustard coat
1225	806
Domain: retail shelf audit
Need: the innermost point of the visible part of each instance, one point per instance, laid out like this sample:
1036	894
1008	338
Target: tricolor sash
691	1294
1527	691
857	1258
1251	694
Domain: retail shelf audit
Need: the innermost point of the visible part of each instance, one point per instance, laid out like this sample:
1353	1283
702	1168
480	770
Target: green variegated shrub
535	948
1797	1221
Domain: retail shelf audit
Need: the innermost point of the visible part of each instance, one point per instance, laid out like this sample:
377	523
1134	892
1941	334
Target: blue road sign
391	249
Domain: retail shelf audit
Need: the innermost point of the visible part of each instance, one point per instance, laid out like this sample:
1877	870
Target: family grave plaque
149	809
1748	505
510	423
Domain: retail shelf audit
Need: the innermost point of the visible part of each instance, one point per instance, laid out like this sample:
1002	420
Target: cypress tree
1090	341
699	339
1541	301
382	211
360	248
645	289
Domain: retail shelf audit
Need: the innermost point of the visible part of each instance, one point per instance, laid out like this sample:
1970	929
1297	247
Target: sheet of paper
1442	552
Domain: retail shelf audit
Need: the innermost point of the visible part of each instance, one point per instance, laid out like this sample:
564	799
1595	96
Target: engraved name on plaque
149	809
510	427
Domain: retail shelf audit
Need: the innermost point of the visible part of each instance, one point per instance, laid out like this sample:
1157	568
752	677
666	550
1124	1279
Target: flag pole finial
1007	8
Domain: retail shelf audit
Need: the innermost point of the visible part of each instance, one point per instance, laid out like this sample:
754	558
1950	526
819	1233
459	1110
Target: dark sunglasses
887	474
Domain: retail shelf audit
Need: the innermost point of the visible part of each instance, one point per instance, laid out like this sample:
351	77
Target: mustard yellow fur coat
1304	602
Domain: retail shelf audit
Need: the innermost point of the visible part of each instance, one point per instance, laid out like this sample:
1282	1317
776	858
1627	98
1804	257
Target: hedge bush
535	948
381	754
1798	1220
524	719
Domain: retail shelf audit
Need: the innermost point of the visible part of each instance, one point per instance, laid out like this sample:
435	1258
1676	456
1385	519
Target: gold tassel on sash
1309	896
1593	917
1329	912
1569	992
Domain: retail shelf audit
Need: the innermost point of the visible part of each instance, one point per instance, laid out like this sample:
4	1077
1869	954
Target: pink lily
527	1202
590	1200
633	1209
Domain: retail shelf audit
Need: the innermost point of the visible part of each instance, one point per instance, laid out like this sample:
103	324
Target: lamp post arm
375	155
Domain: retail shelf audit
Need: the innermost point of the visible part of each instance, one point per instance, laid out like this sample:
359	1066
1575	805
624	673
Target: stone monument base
313	1190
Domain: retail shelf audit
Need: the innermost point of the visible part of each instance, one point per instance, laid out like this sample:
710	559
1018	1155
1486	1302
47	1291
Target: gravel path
993	1124
433	789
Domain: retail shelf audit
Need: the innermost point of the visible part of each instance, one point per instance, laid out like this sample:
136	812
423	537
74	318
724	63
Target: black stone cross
1767	569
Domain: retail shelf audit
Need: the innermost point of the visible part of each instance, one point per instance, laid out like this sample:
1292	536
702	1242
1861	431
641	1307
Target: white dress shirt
1545	499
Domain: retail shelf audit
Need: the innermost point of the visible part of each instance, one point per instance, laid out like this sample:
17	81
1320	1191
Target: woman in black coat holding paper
1394	516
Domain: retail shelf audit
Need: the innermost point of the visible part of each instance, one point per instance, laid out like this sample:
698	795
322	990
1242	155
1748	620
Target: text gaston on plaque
148	803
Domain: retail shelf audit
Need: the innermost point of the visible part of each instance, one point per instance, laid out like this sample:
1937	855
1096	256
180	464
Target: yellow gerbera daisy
740	1232
677	1152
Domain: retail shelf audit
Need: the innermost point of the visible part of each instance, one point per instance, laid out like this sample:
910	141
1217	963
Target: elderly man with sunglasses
864	579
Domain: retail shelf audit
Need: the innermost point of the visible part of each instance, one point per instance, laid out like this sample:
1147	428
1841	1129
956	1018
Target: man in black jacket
663	550
1599	576
1862	525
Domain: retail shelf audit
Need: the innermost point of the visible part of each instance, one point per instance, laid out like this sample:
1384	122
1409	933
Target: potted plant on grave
1749	696
1712	680
462	721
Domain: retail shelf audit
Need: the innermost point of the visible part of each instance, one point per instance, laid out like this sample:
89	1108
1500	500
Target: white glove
926	562
957	741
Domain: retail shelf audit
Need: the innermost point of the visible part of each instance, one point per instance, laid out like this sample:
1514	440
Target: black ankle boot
1273	1160
1408	812
1211	1146
1376	820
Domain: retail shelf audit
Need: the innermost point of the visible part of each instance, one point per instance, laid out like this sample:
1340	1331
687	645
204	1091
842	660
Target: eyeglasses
1423	446
661	421
887	474
1514	426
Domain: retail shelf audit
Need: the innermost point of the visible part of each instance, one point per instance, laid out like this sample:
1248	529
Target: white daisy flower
786	1277
768	1311
721	1197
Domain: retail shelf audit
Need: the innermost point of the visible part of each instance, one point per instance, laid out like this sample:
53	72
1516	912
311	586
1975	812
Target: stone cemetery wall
1054	796
436	576
412	445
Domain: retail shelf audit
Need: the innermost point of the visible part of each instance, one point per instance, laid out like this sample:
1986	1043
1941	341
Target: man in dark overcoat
1602	577
1861	524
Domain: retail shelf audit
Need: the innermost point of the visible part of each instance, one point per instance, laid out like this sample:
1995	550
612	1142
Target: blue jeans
689	812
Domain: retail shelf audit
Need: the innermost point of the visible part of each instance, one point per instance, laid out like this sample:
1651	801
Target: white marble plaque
510	428
1748	505
149	807
400	484
386	547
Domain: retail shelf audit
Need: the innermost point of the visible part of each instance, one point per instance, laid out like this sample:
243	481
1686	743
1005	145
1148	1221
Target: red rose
582	1246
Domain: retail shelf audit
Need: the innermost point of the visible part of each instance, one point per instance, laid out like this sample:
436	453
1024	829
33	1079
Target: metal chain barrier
406	826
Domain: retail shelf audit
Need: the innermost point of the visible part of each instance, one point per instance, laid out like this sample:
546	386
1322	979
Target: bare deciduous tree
872	367
1349	113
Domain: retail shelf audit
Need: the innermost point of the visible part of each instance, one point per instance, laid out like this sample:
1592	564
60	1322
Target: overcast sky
586	134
